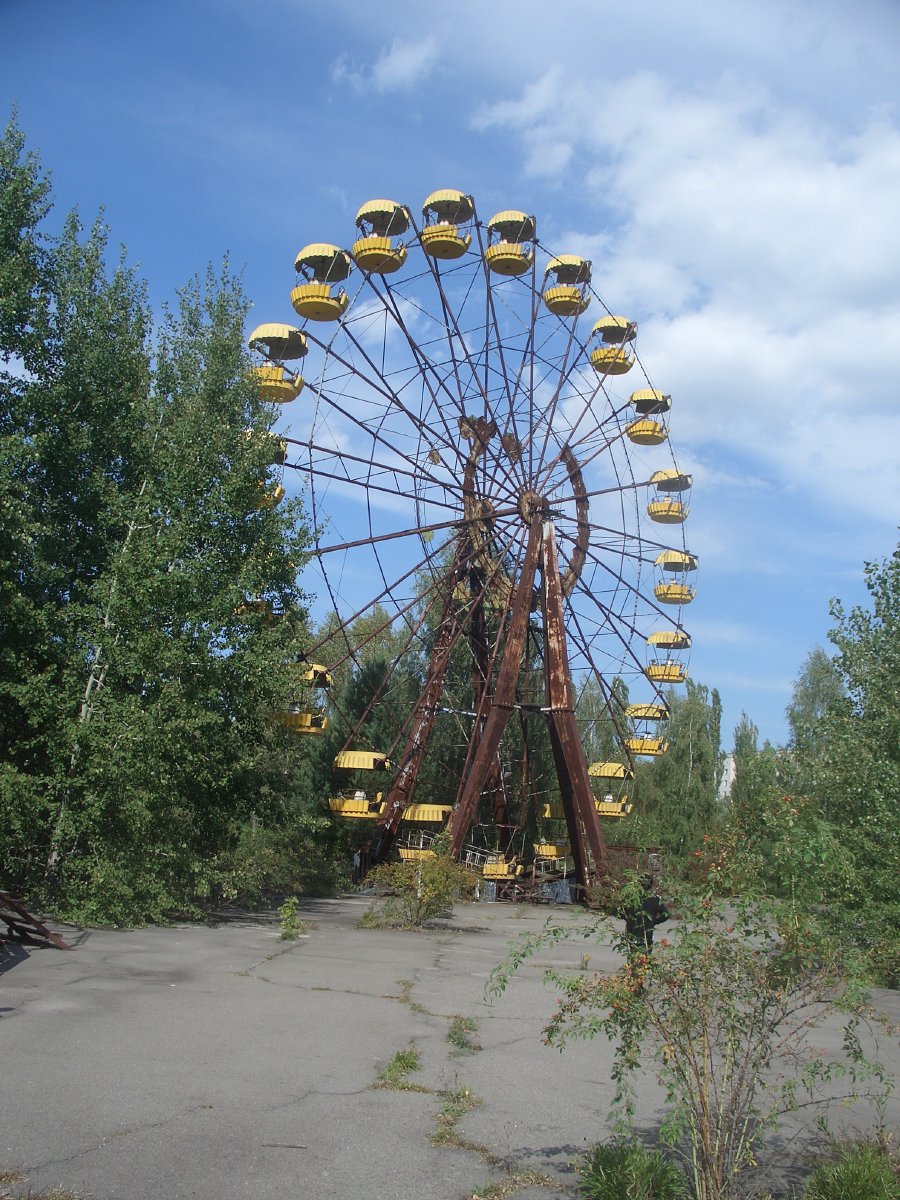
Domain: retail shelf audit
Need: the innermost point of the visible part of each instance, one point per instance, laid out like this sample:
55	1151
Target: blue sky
732	171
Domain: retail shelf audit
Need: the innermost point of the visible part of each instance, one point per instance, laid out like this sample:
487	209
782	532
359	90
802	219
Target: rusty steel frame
503	700
401	790
481	694
576	792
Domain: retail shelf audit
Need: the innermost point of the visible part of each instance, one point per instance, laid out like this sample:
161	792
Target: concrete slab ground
221	1062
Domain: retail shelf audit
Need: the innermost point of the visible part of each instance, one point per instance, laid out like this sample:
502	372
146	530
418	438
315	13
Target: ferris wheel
492	489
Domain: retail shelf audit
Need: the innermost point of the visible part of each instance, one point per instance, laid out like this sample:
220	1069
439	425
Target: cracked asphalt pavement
222	1062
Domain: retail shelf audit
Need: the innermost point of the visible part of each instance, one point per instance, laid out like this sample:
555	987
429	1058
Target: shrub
857	1171
410	894
626	1170
291	925
262	860
721	1012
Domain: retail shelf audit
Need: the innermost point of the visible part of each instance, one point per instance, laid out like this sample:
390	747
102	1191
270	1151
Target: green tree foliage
818	688
601	721
853	770
675	794
756	768
136	698
24	202
376	681
372	636
783	850
819	823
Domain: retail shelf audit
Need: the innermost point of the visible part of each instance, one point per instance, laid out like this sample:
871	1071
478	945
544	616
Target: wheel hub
531	505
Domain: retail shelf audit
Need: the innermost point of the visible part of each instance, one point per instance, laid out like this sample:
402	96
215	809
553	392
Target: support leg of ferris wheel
406	777
576	792
481	697
483	763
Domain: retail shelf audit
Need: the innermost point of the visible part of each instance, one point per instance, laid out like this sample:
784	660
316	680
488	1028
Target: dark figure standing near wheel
643	917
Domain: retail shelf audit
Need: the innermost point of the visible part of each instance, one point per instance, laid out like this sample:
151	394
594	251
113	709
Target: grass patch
509	1187
370	919
397	1072
17	1178
456	1105
461	1034
406	986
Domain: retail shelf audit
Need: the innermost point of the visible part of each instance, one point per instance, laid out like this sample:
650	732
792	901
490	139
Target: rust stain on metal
588	845
404	783
471	787
571	765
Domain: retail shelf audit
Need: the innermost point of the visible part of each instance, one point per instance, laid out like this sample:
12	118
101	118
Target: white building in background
726	783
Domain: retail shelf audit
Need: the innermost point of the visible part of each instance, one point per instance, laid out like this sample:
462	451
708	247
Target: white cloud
377	327
843	55
760	250
401	67
404	65
344	70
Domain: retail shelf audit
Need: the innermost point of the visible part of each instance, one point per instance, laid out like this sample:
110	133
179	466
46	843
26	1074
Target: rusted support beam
577	794
407	774
471	787
481	697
